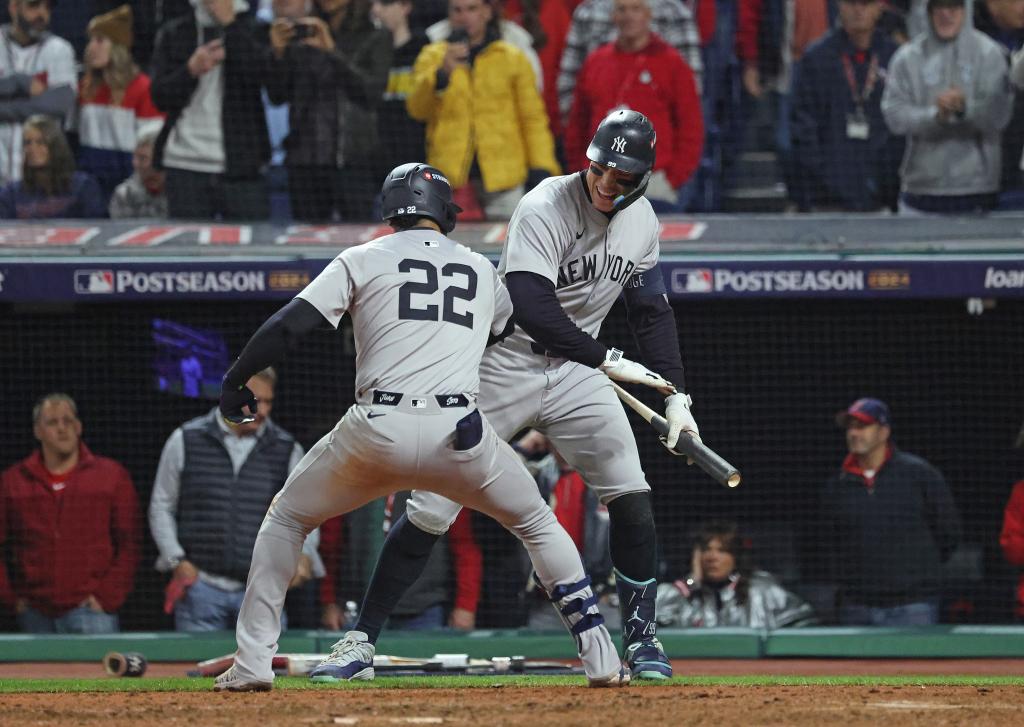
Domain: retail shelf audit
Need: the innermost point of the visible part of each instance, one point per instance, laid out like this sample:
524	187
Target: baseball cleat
646	660
351	659
230	681
618	679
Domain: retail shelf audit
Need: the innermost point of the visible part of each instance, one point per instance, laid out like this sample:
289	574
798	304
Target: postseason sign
99	280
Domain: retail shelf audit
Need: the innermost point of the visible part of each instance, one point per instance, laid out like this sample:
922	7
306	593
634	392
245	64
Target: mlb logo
94	281
699	280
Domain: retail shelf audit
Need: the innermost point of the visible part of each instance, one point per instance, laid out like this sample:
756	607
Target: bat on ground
704	457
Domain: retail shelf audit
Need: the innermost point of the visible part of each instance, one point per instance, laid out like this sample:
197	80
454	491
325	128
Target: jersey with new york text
422	307
558	234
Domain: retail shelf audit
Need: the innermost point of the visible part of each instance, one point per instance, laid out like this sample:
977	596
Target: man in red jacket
1012	537
70	522
640	71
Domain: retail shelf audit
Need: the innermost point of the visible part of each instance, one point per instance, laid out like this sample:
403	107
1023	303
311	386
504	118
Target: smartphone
302	31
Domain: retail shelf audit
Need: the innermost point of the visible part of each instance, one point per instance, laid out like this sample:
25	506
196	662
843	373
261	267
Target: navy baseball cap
867	411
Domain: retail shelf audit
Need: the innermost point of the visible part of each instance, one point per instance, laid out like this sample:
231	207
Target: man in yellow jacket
486	123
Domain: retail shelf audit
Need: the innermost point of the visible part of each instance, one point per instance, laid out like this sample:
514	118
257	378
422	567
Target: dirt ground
538	707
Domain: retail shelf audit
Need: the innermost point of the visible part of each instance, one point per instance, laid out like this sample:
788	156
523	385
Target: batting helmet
625	140
419	190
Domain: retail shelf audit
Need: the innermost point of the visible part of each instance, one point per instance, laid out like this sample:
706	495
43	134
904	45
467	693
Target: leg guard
576	605
644	654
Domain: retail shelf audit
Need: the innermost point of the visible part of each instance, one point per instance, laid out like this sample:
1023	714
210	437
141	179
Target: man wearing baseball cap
894	522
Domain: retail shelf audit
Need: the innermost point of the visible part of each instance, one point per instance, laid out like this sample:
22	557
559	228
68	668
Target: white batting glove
630	372
677	413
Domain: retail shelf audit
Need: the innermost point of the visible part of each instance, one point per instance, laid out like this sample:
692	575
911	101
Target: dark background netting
767	378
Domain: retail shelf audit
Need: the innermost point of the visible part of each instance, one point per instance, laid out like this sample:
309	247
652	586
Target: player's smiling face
606	185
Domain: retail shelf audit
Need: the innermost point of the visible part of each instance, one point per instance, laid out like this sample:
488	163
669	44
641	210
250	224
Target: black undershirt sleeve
272	340
539	313
654	325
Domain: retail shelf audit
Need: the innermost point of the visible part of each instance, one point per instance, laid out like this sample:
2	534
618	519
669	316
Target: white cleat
618	679
230	681
351	659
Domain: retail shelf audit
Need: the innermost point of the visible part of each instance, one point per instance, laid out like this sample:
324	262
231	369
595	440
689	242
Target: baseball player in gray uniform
423	309
575	244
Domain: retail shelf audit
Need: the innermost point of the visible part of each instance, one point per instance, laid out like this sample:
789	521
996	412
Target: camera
458	35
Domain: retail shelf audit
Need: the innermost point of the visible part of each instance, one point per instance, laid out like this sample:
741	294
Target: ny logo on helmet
619	144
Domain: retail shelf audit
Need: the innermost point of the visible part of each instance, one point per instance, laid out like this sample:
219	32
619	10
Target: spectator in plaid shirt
592	26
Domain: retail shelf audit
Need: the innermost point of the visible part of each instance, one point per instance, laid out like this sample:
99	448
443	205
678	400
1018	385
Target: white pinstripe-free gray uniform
422	307
558	234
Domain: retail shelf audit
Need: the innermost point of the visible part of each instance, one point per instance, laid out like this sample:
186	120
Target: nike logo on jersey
616	268
375	414
580	234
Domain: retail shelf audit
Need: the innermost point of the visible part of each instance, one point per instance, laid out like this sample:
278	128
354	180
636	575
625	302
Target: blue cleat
646	660
351	659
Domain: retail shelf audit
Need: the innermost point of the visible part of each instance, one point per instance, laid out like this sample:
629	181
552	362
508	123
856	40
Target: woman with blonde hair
49	187
115	106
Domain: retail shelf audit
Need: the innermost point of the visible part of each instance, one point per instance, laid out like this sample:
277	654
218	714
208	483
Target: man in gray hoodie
947	91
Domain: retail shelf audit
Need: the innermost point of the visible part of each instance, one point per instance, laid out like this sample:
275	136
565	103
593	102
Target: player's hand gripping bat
705	458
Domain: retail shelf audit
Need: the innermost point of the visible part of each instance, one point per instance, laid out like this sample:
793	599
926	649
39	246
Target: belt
445	401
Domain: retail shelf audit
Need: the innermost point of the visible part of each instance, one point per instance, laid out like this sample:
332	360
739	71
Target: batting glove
630	372
679	418
233	404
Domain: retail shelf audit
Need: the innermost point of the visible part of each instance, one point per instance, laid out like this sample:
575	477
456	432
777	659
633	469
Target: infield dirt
535	707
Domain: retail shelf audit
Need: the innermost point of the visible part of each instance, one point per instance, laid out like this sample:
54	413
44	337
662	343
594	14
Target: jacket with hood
962	155
246	145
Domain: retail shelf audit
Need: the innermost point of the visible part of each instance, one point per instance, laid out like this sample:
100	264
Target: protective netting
767	379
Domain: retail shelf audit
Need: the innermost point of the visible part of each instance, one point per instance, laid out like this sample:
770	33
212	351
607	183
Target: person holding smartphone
331	68
487	128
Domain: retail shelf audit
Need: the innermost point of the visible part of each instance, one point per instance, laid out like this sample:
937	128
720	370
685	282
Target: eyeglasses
625	182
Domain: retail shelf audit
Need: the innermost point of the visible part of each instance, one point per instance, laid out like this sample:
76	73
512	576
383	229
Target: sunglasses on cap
629	182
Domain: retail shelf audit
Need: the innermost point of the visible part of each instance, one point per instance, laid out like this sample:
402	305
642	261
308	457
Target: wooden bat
705	458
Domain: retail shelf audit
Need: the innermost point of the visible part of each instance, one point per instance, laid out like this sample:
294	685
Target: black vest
219	514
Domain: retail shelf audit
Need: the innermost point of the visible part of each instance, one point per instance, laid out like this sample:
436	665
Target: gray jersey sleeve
537	236
502	305
331	291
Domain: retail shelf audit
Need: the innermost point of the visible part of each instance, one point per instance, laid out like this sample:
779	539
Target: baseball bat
704	457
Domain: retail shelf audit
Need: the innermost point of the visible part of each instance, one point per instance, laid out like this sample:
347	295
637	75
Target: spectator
548	24
208	69
50	187
893	521
1003	22
1012	537
486	123
846	158
37	76
114	101
592	26
332	70
69	526
277	114
947	91
507	30
142	194
724	588
346	559
642	72
212	488
401	136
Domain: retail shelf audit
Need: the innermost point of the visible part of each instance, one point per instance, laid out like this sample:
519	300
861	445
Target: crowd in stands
295	109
